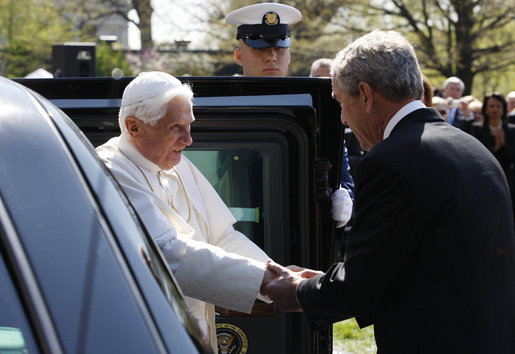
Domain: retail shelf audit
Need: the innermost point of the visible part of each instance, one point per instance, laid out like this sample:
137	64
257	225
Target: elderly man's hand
282	289
341	208
267	277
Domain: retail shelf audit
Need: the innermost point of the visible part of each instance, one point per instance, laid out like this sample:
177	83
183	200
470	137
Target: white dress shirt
401	113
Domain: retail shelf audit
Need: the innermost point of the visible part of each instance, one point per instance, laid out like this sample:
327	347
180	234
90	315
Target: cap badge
271	18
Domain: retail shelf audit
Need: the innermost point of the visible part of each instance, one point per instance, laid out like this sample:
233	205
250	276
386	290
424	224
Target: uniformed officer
264	40
264	37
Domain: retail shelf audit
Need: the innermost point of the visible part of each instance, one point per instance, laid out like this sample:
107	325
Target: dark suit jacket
430	257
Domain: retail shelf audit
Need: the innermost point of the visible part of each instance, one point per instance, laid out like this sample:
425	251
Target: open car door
271	147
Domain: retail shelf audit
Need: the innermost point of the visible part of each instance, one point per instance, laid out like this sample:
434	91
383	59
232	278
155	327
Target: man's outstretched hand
281	290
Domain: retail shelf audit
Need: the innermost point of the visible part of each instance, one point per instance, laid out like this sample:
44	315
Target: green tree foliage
26	37
453	37
111	62
472	39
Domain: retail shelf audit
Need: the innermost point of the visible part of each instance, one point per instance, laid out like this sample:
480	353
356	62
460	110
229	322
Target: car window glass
249	171
237	176
15	332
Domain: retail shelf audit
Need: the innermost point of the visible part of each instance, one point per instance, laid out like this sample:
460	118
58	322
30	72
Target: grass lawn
348	338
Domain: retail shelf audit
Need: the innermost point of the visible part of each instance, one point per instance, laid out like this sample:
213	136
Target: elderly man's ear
133	125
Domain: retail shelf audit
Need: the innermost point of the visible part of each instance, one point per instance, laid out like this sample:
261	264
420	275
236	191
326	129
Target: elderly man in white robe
213	263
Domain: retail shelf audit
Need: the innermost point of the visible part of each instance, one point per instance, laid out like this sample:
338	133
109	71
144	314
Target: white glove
341	208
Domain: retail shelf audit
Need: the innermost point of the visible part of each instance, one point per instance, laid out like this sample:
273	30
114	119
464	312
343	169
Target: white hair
454	80
322	62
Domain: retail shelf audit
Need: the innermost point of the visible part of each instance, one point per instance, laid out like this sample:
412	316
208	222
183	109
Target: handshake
280	284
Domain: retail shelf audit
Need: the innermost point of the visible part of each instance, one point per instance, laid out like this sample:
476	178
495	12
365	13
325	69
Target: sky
172	20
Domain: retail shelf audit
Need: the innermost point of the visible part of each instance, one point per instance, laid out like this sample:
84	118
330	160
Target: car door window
248	172
237	176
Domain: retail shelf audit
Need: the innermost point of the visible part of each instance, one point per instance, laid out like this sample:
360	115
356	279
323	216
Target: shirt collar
401	113
133	154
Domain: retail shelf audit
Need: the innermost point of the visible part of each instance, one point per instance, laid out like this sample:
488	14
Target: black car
78	273
271	147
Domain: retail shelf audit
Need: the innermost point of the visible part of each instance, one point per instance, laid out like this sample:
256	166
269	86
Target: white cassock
213	263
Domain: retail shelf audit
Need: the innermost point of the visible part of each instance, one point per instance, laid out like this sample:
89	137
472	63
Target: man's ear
237	56
133	126
366	96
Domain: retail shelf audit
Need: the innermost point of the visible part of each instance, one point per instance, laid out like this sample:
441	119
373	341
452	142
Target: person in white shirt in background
459	114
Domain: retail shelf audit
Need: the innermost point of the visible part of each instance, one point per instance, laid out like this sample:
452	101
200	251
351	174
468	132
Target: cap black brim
262	43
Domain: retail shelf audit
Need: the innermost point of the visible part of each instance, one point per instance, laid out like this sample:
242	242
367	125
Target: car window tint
247	170
237	176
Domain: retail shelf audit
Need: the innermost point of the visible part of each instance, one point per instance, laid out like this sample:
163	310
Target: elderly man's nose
186	139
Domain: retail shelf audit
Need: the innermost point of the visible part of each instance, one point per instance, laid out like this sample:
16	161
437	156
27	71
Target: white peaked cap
253	14
148	85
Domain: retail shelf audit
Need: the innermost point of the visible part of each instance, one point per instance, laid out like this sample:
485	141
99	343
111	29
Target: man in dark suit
430	257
